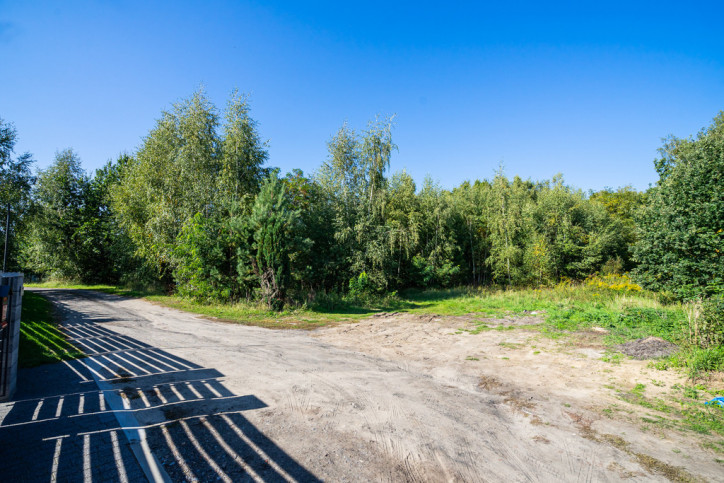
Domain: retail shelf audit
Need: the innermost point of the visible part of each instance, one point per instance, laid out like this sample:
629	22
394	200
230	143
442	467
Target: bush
706	322
360	286
707	360
681	228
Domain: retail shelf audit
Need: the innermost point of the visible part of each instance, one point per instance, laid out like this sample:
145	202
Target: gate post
11	297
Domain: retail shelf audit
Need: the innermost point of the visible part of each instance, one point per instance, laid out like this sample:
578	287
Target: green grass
109	289
566	308
327	310
694	361
682	409
40	340
259	315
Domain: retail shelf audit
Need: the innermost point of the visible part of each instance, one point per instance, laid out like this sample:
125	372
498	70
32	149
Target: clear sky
542	87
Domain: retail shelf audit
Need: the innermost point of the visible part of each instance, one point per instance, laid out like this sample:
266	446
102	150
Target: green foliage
171	179
108	252
622	205
637	323
203	269
694	360
196	209
55	242
353	182
507	229
360	286
706	360
711	330
71	232
243	153
16	181
273	223
706	322
318	261
185	167
681	229
435	264
428	273
518	232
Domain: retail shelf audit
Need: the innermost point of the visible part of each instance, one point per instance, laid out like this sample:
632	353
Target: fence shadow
63	423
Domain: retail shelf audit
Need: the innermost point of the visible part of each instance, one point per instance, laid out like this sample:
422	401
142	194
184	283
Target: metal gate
4	340
11	296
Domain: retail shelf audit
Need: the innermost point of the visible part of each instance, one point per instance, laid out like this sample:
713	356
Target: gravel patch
648	348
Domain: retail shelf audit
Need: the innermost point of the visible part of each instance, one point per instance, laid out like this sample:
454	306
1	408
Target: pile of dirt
648	348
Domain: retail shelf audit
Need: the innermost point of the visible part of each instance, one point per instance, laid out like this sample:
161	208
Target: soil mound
648	348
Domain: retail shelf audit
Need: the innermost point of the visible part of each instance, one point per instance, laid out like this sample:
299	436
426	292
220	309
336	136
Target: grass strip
41	342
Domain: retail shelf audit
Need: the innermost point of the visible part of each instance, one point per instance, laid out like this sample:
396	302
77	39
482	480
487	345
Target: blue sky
588	91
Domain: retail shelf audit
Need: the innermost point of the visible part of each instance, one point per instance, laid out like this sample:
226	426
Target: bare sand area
391	398
553	393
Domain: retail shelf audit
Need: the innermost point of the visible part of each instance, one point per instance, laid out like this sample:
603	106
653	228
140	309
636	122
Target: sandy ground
390	398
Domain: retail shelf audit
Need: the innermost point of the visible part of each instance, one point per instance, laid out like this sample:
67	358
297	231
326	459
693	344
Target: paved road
59	428
172	396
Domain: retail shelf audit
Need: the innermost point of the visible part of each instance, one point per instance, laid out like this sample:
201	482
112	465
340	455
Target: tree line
197	209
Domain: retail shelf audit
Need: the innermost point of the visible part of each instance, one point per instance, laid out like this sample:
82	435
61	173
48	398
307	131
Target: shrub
706	322
360	286
613	282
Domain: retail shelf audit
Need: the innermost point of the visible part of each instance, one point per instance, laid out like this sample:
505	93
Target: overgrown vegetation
681	227
612	304
196	212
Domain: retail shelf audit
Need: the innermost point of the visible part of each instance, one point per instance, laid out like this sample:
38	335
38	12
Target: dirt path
390	398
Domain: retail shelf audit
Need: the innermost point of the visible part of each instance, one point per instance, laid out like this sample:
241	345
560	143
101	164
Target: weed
704	420
716	446
614	283
471	358
612	357
706	322
653	465
489	383
510	345
636	396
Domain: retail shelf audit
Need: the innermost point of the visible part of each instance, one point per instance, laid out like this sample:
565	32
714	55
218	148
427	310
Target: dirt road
393	398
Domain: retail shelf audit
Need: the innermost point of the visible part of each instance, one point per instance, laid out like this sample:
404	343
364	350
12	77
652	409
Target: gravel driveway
206	400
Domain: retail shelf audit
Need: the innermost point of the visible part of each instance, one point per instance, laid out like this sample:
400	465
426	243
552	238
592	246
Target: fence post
11	296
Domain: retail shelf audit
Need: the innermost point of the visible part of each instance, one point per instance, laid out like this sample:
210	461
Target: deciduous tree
16	181
680	232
